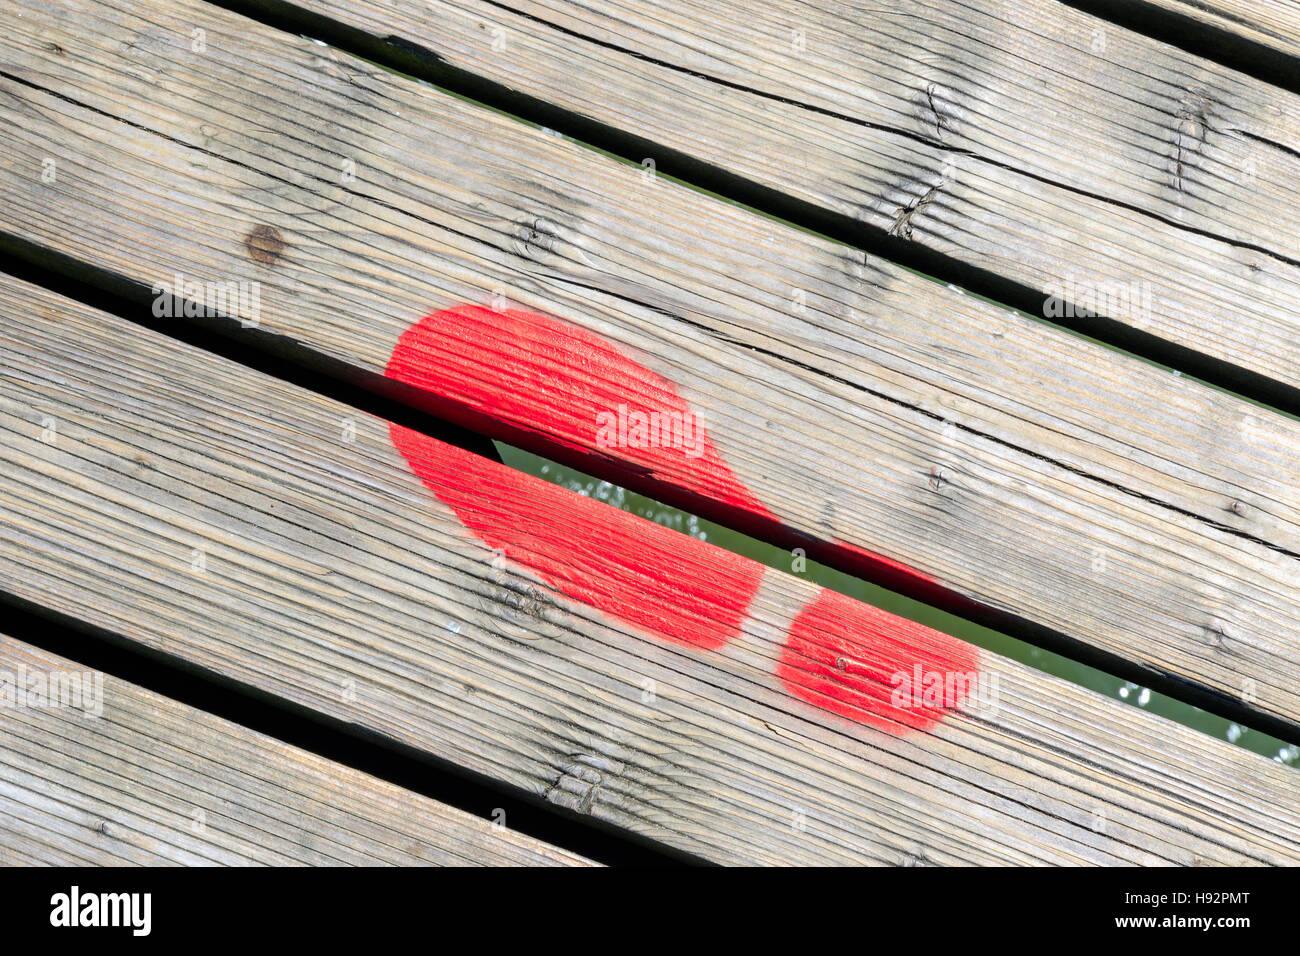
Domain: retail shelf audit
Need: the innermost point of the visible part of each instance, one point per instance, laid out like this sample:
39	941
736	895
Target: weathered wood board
279	539
1029	141
859	406
95	771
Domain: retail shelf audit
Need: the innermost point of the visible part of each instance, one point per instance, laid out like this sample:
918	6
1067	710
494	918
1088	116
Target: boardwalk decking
401	240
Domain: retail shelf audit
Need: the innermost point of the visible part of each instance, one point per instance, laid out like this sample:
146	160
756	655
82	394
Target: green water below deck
1047	661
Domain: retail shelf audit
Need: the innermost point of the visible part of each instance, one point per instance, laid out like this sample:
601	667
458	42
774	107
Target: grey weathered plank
125	776
1024	138
332	578
1034	472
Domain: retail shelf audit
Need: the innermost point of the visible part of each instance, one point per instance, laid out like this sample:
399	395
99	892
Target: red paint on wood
863	663
561	381
673	585
556	380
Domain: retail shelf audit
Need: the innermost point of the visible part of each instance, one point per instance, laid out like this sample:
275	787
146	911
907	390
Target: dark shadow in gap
1196	36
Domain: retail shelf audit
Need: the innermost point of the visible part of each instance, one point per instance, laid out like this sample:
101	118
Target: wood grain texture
127	777
1023	139
869	410
332	577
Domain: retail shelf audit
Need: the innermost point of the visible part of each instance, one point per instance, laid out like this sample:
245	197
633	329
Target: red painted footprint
543	375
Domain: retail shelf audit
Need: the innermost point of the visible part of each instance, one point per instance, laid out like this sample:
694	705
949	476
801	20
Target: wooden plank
104	773
855	409
200	509
1023	141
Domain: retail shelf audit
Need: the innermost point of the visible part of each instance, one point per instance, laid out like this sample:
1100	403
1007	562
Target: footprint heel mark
870	666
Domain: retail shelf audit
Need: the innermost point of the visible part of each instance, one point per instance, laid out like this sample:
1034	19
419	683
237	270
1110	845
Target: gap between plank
284	359
997	642
1219	44
327	737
